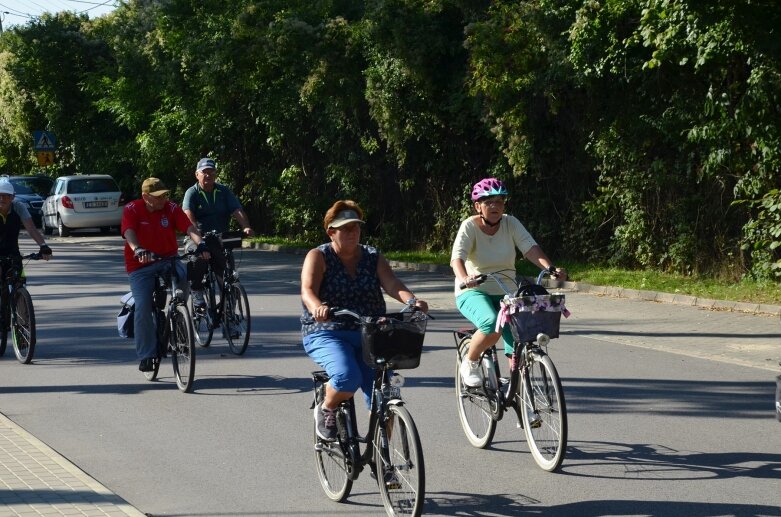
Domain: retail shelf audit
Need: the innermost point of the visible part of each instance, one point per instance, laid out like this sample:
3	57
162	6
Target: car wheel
63	230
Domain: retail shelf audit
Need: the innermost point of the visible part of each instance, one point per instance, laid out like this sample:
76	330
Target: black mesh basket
231	240
396	339
532	315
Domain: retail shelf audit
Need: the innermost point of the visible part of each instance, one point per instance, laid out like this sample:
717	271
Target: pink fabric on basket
504	314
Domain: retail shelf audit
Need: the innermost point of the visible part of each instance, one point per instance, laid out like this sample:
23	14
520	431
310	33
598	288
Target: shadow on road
510	505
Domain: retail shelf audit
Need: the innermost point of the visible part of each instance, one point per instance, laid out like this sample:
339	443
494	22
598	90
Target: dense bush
636	132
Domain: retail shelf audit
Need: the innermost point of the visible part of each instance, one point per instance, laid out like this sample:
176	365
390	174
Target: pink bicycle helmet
488	187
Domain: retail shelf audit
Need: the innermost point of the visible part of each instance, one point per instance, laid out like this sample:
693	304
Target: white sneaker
471	373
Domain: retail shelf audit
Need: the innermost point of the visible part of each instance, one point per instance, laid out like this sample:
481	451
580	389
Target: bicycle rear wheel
236	318
474	408
203	321
331	462
182	346
162	344
401	473
544	422
23	326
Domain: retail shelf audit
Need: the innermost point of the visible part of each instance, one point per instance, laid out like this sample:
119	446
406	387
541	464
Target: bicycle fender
396	402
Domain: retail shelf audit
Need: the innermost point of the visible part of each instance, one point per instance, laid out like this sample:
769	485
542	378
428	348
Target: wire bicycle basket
533	314
395	339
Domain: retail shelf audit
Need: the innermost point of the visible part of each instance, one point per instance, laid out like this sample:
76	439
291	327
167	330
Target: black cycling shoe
147	365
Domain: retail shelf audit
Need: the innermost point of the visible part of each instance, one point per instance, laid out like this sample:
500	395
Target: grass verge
744	291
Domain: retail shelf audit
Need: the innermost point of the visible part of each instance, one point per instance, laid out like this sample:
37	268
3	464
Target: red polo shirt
156	231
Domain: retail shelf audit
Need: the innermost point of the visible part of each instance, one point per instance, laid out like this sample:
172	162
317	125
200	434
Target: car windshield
92	185
38	186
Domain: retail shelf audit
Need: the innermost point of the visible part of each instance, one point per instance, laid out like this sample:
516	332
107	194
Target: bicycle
533	389
392	443
174	326
227	304
17	314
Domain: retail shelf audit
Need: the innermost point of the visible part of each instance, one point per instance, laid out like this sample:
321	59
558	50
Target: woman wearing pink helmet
486	242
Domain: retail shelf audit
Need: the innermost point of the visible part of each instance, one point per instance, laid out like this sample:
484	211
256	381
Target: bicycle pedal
392	482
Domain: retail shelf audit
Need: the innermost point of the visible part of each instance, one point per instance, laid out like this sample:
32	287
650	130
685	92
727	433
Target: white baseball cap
6	187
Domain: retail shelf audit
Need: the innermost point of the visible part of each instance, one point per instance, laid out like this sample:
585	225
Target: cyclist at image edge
13	216
210	205
485	243
346	274
149	226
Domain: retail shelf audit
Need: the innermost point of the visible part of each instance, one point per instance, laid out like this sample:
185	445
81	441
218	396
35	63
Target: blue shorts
340	354
481	310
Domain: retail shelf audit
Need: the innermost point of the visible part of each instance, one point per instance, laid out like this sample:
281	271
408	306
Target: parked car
83	201
31	190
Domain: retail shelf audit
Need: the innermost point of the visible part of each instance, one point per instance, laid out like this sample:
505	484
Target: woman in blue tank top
347	274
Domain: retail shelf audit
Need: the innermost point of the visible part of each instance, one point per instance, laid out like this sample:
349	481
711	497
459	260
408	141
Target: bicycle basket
534	314
231	240
395	338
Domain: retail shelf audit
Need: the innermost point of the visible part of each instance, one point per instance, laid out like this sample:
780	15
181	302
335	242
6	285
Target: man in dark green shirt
210	206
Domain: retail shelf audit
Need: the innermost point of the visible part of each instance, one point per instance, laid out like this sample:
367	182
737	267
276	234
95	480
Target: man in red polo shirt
149	227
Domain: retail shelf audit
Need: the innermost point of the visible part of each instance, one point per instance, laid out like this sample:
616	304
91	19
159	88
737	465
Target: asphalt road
670	408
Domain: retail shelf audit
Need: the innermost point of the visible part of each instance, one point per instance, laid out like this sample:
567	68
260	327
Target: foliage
640	133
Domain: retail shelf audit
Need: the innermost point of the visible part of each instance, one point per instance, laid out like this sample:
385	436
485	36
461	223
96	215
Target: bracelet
412	301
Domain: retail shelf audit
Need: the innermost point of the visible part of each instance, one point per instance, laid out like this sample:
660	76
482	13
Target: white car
84	201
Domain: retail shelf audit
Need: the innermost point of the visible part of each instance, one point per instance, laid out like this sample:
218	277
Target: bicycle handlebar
341	311
186	254
550	271
30	256
477	281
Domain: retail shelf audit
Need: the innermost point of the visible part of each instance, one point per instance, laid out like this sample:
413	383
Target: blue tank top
362	294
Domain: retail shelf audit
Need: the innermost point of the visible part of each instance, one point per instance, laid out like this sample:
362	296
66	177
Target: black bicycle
533	389
17	314
227	305
392	445
174	326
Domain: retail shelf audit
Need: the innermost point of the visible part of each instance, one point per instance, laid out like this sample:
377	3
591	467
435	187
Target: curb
763	309
759	309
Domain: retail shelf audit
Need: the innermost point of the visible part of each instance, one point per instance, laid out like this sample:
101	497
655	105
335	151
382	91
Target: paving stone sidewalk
36	480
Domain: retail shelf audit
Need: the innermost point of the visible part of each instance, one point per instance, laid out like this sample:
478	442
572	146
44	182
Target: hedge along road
670	407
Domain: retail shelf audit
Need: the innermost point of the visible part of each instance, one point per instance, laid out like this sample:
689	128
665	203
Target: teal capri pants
481	310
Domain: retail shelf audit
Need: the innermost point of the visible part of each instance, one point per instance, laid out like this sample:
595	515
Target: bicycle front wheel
182	347
23	328
474	408
236	319
544	412
401	473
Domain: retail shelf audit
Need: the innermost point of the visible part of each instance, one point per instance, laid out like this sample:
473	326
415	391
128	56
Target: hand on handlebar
472	281
142	255
202	251
421	304
45	252
559	273
322	313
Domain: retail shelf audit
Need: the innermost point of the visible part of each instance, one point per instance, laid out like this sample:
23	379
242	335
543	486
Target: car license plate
95	204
